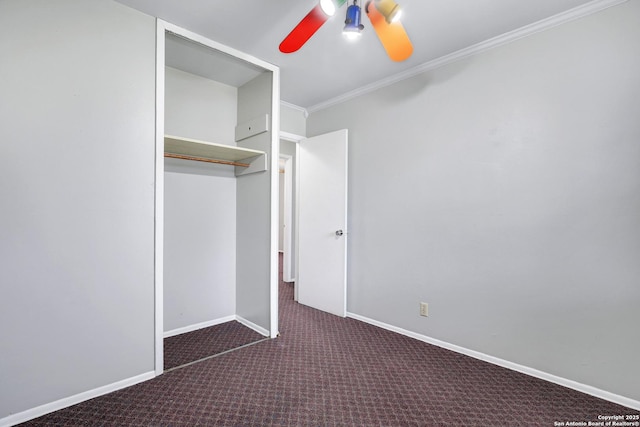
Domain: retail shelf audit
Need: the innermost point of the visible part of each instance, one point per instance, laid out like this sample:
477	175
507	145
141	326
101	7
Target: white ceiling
329	65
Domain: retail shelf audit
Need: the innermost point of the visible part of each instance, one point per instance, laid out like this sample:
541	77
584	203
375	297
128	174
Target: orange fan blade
393	37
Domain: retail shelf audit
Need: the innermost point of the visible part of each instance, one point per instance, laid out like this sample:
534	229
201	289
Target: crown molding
295	107
511	36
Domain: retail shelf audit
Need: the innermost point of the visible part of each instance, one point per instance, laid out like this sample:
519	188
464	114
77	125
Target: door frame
288	246
163	27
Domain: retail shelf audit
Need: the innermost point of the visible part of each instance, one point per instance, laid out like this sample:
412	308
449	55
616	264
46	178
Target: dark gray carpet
329	371
195	345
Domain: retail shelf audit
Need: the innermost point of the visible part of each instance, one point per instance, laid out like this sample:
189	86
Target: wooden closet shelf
202	151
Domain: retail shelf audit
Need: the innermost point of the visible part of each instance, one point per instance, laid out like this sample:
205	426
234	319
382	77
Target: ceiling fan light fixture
328	7
352	35
389	9
397	16
353	23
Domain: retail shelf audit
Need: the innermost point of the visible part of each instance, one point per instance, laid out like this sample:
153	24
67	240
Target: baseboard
197	326
47	408
587	389
251	325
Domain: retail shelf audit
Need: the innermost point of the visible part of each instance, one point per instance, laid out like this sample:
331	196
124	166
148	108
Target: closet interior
219	255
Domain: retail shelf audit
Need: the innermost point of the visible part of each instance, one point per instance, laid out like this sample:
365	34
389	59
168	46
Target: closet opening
216	198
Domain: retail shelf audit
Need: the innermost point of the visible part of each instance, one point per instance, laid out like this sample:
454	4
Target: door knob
339	233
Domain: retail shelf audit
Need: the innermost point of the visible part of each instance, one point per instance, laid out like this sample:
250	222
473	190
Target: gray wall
77	185
253	220
200	205
504	190
292	120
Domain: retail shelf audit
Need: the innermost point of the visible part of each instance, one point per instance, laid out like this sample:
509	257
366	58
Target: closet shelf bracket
202	159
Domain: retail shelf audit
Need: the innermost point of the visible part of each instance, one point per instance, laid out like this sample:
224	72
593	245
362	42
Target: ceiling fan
383	14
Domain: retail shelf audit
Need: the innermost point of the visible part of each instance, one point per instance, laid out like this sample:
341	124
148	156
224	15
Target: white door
322	215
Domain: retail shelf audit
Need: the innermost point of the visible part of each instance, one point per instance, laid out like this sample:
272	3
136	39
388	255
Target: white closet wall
200	206
255	257
199	108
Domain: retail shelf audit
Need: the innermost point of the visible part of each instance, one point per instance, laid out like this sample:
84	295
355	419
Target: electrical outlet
424	309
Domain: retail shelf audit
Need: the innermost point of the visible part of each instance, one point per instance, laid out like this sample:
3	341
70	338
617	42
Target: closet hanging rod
203	159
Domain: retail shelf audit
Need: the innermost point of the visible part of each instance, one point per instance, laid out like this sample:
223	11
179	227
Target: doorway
289	148
323	180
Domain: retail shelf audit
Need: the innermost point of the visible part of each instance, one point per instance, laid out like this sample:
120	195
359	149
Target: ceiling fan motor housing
353	22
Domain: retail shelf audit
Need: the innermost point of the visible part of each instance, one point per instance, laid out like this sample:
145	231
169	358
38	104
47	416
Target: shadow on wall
417	85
